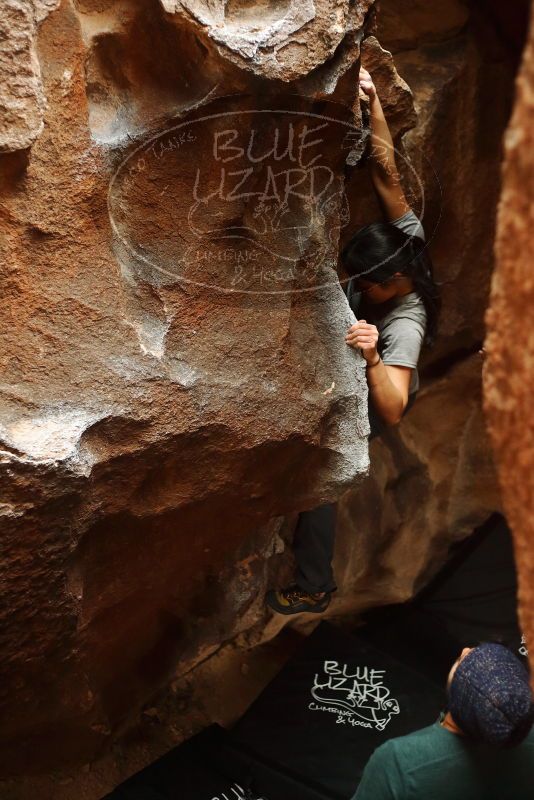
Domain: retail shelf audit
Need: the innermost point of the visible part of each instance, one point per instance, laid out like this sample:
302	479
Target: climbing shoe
294	600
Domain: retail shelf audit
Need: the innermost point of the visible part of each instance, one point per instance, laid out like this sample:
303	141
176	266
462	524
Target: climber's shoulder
396	208
391	195
409	223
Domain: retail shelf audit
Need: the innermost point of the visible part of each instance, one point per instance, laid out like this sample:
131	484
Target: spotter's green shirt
436	764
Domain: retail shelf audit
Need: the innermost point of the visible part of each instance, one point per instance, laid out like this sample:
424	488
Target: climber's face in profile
380	292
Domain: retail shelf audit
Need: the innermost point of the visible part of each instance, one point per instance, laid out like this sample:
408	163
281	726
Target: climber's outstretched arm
384	173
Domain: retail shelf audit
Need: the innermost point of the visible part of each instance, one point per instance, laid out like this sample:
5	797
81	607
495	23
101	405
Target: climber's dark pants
315	534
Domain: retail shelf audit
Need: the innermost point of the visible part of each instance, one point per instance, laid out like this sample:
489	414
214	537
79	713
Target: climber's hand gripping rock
363	336
366	84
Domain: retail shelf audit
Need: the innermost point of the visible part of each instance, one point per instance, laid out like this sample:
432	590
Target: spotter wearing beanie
490	698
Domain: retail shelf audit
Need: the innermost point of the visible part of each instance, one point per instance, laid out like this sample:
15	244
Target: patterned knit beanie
490	698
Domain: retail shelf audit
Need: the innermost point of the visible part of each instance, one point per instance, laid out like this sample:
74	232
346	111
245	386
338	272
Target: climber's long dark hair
380	249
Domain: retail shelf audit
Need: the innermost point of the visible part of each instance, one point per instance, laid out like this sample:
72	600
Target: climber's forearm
382	156
388	384
387	397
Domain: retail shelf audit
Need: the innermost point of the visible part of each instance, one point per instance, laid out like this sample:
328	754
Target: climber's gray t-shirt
402	329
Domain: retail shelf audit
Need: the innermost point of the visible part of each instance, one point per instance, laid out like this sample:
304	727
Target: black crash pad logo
357	695
236	792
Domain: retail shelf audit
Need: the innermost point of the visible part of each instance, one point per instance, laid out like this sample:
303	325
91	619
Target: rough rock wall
160	396
509	365
152	416
431	483
22	98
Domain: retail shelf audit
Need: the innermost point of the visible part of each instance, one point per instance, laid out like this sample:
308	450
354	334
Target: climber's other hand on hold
363	336
366	84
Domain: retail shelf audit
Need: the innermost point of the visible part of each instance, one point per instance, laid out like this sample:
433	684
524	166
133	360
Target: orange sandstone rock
509	366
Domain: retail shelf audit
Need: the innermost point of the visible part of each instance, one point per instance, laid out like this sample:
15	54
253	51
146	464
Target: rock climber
396	302
482	747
